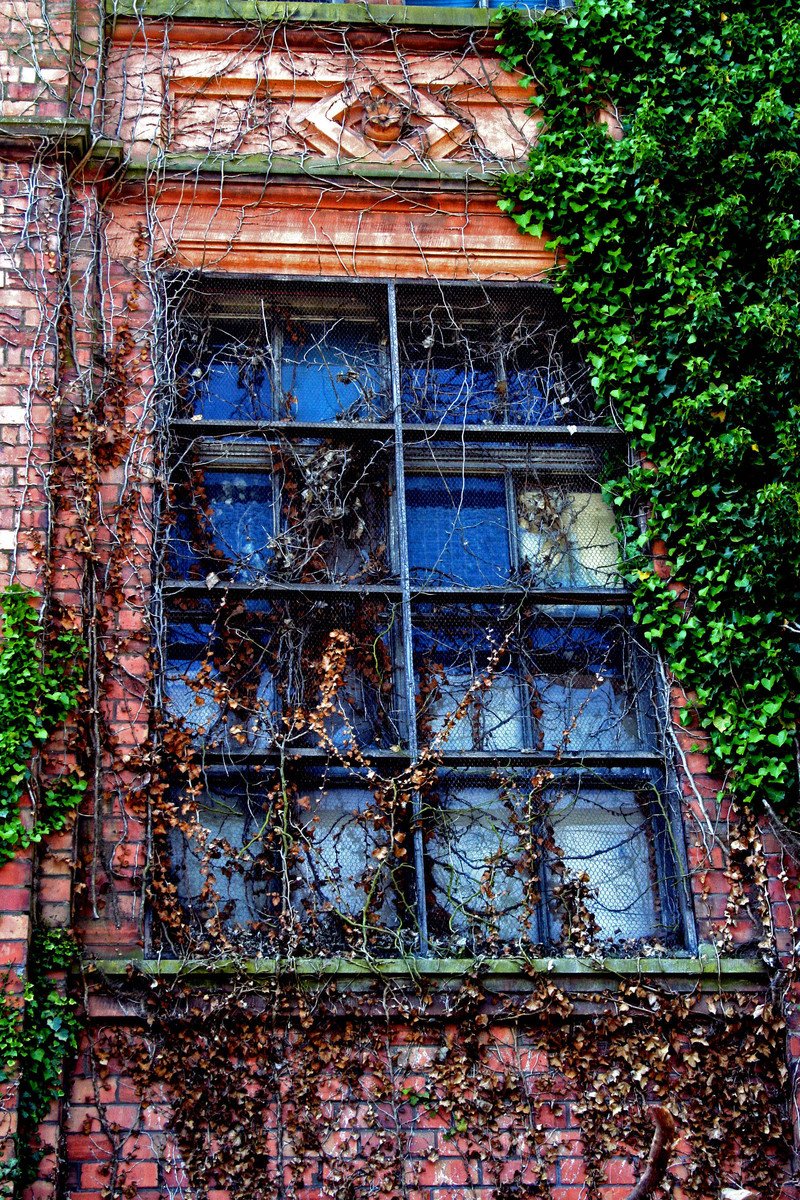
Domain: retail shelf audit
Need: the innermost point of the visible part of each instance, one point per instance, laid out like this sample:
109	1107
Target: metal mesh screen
400	675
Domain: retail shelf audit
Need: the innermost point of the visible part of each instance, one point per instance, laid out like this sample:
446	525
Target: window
401	688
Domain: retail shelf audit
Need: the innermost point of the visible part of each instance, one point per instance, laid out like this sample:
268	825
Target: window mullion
409	696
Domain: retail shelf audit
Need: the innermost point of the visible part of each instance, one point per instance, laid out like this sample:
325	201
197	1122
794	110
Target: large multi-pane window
406	706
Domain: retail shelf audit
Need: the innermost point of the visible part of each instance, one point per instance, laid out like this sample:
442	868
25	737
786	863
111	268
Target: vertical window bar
405	585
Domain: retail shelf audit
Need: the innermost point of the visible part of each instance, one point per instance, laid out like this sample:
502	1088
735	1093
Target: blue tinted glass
233	384
457	531
331	372
531	399
241	514
584	648
450	640
231	529
448	389
536	5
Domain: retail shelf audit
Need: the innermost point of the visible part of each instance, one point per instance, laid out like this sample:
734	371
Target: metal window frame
559	451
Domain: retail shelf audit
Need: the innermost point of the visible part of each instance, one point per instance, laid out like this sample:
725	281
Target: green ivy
35	1041
38	691
682	248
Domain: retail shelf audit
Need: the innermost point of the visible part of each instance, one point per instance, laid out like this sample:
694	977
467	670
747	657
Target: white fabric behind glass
493	720
567	539
193	704
595	716
472	846
604	835
337	853
245	898
202	715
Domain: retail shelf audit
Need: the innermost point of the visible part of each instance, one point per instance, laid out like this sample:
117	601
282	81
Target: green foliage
682	245
35	1041
39	688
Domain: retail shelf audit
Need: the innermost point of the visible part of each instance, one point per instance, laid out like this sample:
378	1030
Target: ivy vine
35	1042
667	175
40	682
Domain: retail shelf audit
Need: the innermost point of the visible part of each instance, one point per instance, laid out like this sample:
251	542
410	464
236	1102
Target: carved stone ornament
384	118
380	122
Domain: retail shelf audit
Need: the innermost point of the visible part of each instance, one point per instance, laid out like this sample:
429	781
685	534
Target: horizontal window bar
571	434
558	596
638	760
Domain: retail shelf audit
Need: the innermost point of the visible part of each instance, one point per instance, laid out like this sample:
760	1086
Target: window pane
605	865
334	518
348	870
224	873
484	865
452	387
332	371
489	355
219	681
337	666
567	538
453	659
538	393
584	693
457	530
226	376
224	523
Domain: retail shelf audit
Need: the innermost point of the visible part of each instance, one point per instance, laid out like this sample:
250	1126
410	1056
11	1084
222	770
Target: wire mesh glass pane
224	522
566	538
484	850
457	530
605	864
586	692
219	680
333	370
225	373
310	352
477	356
349	870
338	675
225	870
334	512
468	685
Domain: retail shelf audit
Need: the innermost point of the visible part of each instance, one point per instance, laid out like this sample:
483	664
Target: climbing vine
35	1043
219	726
666	173
39	688
385	1089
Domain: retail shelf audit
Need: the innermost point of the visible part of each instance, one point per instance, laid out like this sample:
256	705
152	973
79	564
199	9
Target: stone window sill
273	11
504	974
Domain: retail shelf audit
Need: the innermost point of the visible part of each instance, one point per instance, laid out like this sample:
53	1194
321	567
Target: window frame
410	459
